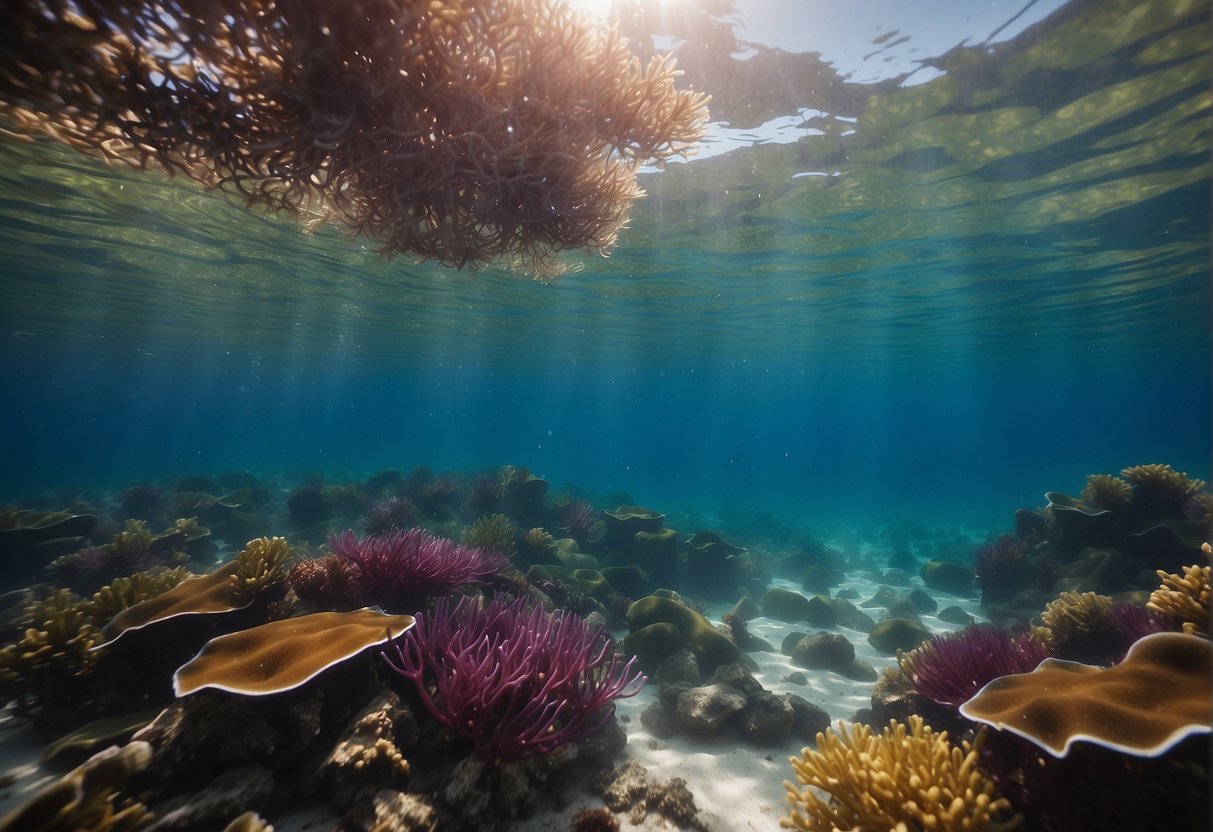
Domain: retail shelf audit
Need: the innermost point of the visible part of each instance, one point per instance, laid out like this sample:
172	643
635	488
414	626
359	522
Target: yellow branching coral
1070	616
495	532
261	563
1163	482
897	780
463	132
1107	492
126	592
1186	598
54	649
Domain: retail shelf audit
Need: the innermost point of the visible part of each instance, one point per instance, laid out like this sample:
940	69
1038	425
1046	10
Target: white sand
736	786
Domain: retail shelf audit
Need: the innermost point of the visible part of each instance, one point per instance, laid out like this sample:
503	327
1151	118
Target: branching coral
124	593
1071	616
513	679
1161	491
897	780
405	565
1106	492
1186	598
260	564
494	532
460	132
55	649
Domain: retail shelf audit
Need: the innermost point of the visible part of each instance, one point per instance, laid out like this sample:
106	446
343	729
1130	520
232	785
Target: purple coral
390	513
950	669
401	565
515	680
581	521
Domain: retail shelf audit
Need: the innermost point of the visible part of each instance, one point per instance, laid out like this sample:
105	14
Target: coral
1161	693
595	820
54	651
390	513
484	494
403	565
87	797
1070	617
513	679
1185	598
1160	485
494	532
1001	569
260	564
580	521
124	593
328	580
896	780
1106	492
949	669
283	655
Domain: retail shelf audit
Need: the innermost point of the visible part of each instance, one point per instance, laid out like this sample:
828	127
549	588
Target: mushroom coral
898	779
283	655
462	132
1157	696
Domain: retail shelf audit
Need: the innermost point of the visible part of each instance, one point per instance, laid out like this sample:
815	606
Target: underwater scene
587	415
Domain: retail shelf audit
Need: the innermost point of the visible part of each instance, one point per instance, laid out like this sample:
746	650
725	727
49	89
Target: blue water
982	284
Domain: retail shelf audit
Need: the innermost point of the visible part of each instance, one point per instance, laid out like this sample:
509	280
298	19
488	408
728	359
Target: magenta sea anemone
515	680
405	565
949	670
581	521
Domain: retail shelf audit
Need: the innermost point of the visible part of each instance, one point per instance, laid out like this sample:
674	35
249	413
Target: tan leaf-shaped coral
1186	598
898	779
1161	693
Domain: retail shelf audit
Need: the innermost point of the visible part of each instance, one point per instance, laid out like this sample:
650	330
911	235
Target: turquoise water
935	295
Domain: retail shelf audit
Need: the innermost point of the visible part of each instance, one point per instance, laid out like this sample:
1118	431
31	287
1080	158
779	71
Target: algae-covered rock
947	576
711	647
704	709
789	606
630	581
895	634
746	609
656	552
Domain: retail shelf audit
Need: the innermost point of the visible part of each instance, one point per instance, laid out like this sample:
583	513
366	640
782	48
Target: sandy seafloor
736	786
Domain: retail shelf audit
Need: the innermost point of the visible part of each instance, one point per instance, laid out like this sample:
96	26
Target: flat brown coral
1107	492
1186	598
895	780
462	132
1157	696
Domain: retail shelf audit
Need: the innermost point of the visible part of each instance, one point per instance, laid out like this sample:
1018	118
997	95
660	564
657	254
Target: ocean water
931	261
914	284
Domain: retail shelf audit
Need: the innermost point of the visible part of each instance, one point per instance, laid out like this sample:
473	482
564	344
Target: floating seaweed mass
463	132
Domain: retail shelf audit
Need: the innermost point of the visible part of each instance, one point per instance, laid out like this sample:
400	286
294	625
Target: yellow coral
261	563
126	592
54	649
897	780
495	532
1107	492
1186	598
1164	482
1070	616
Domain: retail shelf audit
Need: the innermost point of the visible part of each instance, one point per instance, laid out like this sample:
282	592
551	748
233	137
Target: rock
766	718
852	617
903	561
738	677
796	678
679	667
624	786
895	634
704	709
790	641
829	651
846	594
367	760
947	576
860	671
820	612
784	605
883	598
659	721
922	602
897	577
746	609
234	791
393	811
808	720
955	615
816	579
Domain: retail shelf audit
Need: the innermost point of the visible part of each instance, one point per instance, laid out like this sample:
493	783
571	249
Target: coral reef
260	564
1107	492
1160	694
285	654
1161	491
948	670
1185	598
494	532
895	780
511	678
328	581
401	566
87	798
123	593
393	512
